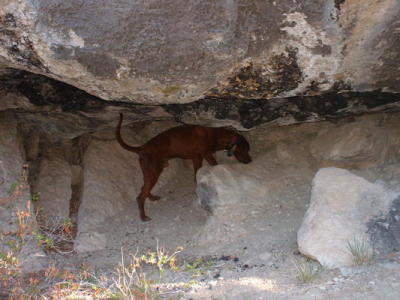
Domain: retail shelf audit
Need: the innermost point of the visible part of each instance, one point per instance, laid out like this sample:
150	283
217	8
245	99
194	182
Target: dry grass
131	281
307	270
55	234
128	281
161	258
361	251
52	283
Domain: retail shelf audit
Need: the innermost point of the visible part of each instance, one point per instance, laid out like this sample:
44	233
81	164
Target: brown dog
187	142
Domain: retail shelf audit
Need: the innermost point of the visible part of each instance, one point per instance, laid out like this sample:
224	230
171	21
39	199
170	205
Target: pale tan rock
54	187
341	205
360	141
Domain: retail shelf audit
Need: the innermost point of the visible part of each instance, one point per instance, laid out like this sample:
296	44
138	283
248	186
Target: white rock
266	256
341	205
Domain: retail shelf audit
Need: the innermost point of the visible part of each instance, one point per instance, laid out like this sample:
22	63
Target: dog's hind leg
163	166
151	173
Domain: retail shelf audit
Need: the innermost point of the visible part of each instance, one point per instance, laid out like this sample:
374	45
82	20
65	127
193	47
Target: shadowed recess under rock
385	231
44	92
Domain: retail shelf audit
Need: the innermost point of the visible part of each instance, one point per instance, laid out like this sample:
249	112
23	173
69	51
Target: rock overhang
66	112
178	52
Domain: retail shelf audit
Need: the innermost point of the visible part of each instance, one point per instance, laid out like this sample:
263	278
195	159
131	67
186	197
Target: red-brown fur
187	142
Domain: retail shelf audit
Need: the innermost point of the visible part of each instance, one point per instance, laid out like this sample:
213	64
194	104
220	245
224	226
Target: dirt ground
261	264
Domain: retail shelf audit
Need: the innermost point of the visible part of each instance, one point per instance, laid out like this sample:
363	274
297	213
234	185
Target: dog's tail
119	137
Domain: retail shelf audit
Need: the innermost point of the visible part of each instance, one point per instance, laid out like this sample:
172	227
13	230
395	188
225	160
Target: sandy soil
257	265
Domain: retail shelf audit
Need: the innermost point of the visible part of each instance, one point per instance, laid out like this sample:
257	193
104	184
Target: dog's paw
154	197
145	219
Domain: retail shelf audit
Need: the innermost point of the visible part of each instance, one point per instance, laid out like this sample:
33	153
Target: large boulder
111	183
54	187
342	204
178	51
17	217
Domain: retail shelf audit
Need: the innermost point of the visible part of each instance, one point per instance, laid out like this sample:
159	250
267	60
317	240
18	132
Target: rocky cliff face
237	63
160	52
67	68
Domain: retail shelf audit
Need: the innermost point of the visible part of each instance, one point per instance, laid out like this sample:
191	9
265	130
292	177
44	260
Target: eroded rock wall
285	161
17	215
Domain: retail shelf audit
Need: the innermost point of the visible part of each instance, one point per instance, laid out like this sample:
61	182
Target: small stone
383	224
390	266
395	284
266	256
346	271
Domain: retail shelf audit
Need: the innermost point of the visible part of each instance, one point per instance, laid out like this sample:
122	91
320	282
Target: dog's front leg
197	163
211	160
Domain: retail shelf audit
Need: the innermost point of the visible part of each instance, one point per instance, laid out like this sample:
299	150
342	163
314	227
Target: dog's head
240	149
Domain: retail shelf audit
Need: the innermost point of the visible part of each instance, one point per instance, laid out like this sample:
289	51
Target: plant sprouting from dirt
198	267
55	233
360	250
131	281
307	270
35	197
161	258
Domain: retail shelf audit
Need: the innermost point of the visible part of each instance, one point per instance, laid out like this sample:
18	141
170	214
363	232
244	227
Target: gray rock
111	183
175	52
30	256
11	153
341	206
266	256
54	186
224	186
344	142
